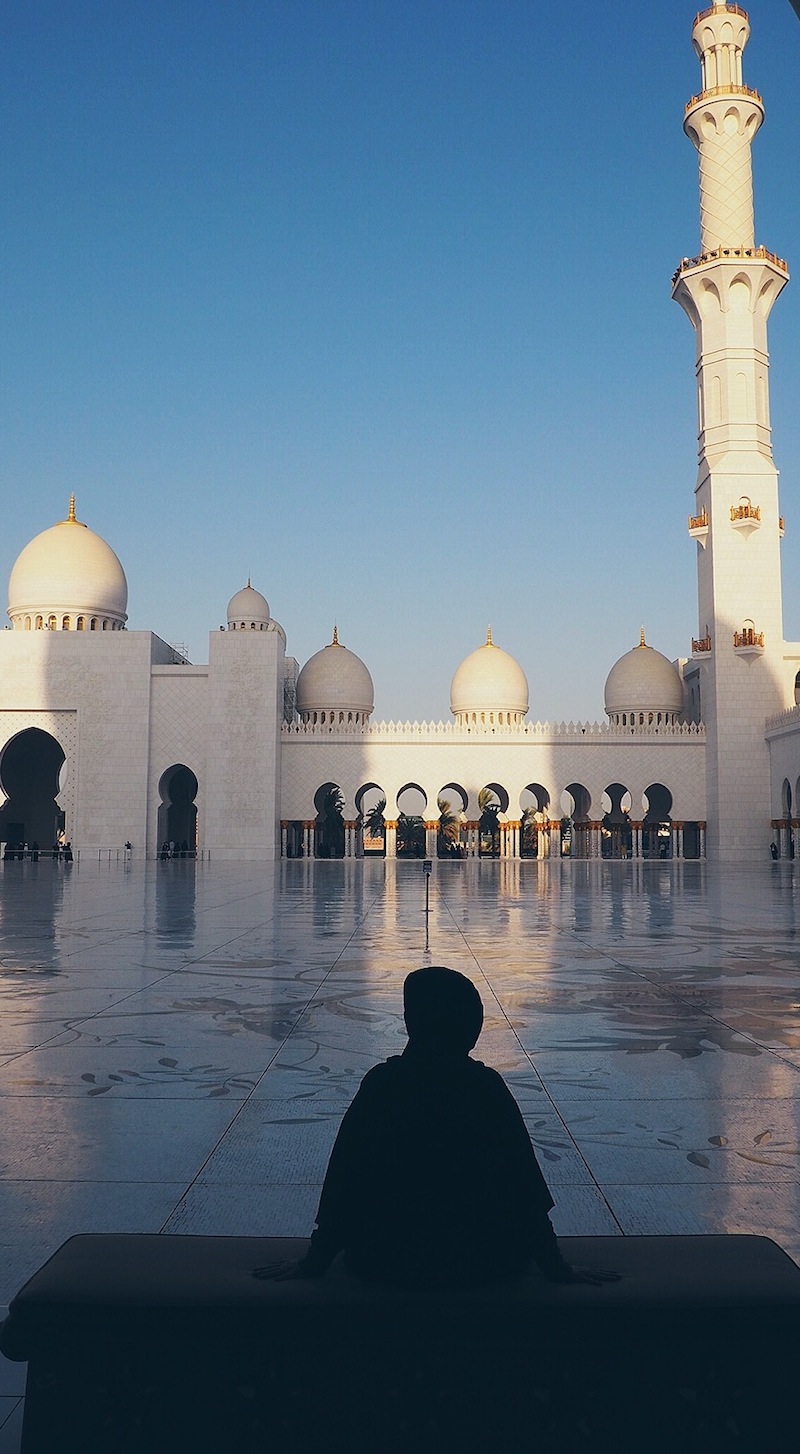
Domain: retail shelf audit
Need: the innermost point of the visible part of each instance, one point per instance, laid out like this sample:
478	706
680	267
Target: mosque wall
104	679
431	757
178	737
244	713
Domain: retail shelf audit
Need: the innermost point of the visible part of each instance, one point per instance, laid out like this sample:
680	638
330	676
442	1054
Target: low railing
704	644
761	254
699	522
745	512
727	90
714	9
748	637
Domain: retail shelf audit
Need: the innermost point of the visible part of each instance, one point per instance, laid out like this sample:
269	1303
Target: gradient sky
370	300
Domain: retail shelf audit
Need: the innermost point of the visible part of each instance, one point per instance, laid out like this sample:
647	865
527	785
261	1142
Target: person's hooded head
443	1011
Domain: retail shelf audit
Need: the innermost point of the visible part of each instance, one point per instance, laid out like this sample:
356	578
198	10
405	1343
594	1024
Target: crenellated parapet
579	732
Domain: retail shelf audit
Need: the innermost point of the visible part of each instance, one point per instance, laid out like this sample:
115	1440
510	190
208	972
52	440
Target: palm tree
530	832
410	836
449	835
374	823
330	824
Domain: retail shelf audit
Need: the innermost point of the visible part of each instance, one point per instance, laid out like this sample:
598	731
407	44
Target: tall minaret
728	292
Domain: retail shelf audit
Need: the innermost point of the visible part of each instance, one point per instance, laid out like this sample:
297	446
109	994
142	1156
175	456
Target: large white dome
643	686
335	686
489	688
248	610
67	578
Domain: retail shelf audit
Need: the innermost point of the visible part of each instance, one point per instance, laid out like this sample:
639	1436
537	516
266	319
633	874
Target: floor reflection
178	1041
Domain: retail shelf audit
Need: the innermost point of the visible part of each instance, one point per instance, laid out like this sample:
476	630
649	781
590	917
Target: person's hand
285	1271
593	1276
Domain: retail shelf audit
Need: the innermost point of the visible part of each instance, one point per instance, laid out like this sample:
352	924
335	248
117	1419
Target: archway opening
657	823
451	802
534	804
616	835
490	805
30	767
371	809
329	830
177	811
576	804
412	802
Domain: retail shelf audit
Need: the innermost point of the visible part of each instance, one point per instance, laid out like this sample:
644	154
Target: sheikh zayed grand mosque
111	737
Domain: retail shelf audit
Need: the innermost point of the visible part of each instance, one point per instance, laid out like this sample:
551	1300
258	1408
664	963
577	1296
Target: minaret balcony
714	254
703	646
729	90
731	9
748	642
746	517
781	526
698	527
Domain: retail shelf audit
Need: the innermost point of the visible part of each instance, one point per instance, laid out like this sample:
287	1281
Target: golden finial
642	641
72	517
249	587
489	641
336	641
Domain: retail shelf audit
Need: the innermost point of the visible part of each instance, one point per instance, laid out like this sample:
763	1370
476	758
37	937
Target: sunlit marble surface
178	1041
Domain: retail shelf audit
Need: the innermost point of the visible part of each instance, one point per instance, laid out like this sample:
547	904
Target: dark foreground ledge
152	1343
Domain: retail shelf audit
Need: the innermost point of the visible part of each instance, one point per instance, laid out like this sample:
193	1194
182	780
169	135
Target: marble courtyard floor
178	1041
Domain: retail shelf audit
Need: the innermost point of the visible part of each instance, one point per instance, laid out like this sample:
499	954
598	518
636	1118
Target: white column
431	833
391	837
284	839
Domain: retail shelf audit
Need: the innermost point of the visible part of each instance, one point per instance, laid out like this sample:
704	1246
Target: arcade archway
30	767
177	812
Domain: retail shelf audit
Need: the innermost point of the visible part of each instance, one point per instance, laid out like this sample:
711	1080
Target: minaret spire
738	675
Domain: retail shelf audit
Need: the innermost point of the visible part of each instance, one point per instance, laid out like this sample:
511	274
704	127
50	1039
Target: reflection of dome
248	610
644	687
335	686
489	687
68	579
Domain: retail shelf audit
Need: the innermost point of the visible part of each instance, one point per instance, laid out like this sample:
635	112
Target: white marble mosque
111	737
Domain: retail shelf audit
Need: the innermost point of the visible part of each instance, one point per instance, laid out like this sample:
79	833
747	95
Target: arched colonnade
491	822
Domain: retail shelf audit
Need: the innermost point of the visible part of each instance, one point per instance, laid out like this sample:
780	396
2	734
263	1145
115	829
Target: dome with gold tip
643	688
68	579
248	610
489	688
334	687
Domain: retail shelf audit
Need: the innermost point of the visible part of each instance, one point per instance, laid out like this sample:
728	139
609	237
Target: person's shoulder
382	1074
490	1080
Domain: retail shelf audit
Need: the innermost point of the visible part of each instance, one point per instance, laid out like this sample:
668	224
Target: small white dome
644	681
335	686
248	610
489	687
66	576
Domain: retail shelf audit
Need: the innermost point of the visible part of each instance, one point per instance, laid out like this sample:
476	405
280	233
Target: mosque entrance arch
31	767
452	802
492	801
616	834
534	804
412	803
177	811
371	809
329	830
657	823
576	803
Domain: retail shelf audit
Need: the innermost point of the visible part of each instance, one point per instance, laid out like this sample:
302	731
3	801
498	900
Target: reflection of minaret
728	292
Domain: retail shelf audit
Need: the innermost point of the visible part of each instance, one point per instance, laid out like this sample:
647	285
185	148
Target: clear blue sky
370	300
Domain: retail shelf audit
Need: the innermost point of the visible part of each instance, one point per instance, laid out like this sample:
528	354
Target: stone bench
154	1343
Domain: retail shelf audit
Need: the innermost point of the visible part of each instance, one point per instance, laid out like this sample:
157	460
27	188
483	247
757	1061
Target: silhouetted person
433	1180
